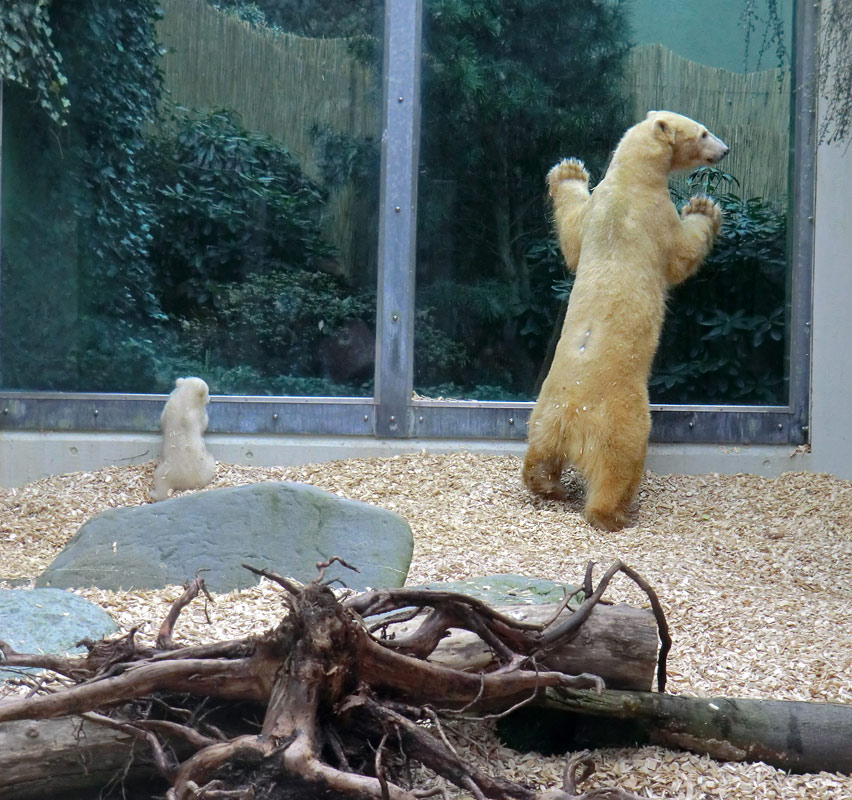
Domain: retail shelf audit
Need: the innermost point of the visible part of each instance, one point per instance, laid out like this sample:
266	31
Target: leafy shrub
272	323
247	12
724	336
342	157
113	355
493	341
231	203
437	353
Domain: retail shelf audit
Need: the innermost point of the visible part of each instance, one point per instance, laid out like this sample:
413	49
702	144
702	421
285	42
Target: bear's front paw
569	169
702	204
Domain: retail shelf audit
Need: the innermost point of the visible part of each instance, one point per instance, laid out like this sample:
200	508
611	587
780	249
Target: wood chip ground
755	575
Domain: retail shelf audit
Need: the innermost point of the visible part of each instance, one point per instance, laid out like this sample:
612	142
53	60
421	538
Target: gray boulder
49	621
283	527
509	590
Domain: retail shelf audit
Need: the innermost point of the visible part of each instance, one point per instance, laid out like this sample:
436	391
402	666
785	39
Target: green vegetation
509	86
182	243
230	204
77	280
179	242
723	340
28	57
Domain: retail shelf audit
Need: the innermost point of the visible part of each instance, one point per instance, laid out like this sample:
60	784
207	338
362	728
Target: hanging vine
835	70
834	60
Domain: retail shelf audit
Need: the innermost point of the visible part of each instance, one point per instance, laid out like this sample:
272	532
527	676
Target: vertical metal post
2	355
801	216
398	218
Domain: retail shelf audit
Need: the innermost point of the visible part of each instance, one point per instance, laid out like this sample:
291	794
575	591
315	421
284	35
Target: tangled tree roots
342	703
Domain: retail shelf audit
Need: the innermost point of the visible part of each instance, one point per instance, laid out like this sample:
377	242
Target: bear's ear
665	131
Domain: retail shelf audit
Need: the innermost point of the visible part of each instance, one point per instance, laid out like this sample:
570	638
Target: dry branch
337	697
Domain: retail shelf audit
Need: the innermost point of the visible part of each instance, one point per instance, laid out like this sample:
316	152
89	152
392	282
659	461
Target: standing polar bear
627	245
186	463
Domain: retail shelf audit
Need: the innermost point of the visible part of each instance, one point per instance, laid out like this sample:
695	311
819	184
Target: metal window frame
393	412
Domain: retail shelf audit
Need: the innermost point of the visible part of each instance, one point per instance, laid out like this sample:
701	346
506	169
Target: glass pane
209	208
509	88
725	335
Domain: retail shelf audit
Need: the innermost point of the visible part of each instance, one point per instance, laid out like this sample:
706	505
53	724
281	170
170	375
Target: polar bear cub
627	244
186	463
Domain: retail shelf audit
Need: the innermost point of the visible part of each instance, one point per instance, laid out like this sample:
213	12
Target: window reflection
505	94
508	93
211	212
725	334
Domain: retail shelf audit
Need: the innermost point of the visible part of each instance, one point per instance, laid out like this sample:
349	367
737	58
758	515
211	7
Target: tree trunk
618	643
55	756
48	757
790	735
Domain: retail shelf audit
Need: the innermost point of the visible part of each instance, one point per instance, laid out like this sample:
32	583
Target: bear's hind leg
612	487
160	489
543	474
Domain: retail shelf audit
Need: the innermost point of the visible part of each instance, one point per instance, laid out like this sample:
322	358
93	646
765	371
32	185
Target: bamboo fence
750	111
282	85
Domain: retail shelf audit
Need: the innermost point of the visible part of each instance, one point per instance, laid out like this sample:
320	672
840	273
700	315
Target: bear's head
194	389
692	145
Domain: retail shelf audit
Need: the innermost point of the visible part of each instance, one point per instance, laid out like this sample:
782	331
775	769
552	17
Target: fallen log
49	758
618	643
791	735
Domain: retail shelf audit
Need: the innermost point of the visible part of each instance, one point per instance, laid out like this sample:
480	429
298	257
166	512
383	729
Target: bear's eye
704	135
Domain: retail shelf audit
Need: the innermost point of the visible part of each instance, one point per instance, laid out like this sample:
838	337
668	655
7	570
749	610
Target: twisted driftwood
339	701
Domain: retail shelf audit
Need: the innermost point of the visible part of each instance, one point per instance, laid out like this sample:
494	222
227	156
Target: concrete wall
28	456
831	387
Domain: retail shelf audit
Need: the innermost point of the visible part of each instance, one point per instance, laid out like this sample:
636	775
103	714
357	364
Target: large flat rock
49	621
284	527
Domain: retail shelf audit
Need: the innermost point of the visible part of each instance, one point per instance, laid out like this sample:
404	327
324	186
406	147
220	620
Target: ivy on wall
28	56
112	52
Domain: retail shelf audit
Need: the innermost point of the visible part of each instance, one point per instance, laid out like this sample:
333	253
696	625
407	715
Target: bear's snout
721	154
718	149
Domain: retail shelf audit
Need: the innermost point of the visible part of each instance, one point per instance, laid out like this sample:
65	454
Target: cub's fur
186	463
627	245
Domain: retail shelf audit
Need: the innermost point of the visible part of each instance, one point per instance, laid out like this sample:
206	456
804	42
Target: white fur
186	463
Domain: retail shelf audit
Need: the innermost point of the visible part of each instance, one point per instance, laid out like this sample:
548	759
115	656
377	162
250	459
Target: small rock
49	621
